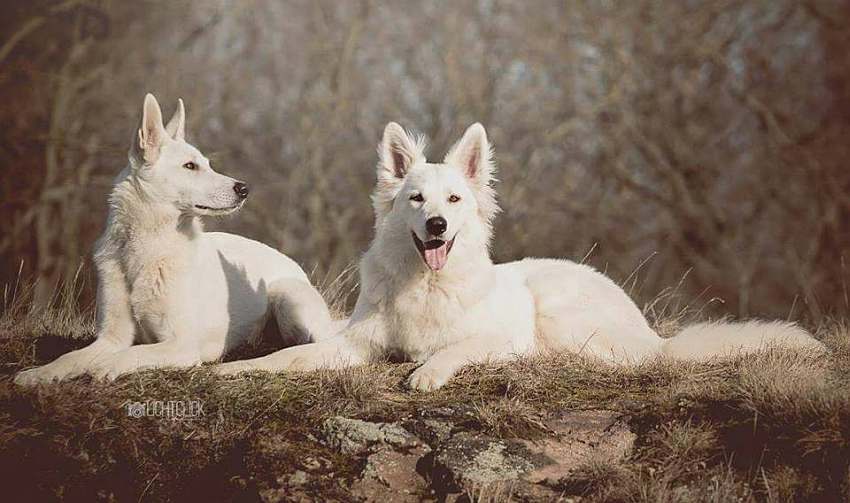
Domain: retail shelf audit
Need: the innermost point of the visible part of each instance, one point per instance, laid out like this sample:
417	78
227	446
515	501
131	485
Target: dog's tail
704	341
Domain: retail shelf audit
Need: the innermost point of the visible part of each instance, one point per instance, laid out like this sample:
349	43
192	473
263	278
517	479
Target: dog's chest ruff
421	321
424	315
151	263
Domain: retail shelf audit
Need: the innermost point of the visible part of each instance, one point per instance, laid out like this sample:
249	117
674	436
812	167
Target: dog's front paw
232	368
46	374
112	368
36	376
105	373
428	378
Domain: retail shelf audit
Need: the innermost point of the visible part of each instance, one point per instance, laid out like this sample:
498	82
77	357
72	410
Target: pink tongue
436	258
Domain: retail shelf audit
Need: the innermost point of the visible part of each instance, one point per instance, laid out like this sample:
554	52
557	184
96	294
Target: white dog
430	291
193	295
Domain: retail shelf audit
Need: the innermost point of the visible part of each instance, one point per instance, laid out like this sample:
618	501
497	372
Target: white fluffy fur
472	310
191	295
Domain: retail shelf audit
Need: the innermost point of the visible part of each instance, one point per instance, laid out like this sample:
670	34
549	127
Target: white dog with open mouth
430	291
191	295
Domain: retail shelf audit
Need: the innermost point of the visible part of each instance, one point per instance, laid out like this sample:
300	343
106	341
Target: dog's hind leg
333	353
115	331
352	346
301	313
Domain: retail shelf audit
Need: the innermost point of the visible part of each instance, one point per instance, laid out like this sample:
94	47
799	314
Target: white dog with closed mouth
429	290
192	295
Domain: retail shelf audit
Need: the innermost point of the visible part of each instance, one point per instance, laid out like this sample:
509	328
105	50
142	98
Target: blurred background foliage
662	139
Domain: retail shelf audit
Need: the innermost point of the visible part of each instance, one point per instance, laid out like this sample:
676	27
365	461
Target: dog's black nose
241	189
436	226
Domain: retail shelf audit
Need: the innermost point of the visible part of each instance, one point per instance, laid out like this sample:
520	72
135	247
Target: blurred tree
709	136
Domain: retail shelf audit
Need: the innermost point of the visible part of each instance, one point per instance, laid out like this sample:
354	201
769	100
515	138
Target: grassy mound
771	427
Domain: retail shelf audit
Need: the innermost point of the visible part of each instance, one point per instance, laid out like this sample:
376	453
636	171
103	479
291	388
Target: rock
298	478
391	466
432	431
577	437
312	464
353	436
392	473
488	467
468	462
398	465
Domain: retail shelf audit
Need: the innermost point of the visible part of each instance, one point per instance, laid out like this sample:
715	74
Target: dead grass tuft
509	418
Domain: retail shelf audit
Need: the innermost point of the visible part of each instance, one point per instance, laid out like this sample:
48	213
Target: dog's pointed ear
398	152
473	154
151	134
176	127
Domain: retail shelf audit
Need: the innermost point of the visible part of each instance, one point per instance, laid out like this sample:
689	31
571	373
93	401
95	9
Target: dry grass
773	427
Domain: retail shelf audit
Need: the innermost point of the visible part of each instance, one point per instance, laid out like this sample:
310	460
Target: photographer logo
166	409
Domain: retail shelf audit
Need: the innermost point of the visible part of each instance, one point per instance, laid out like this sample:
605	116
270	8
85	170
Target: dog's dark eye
453	198
417	197
191	165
